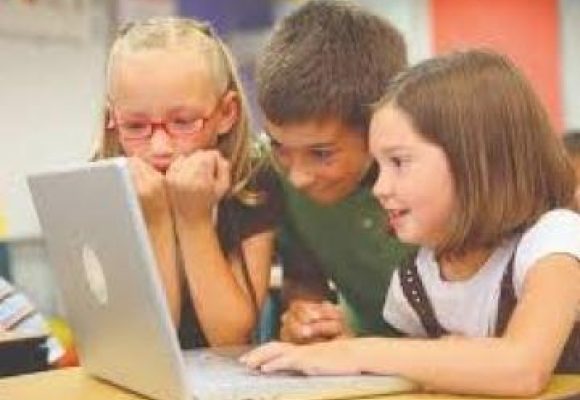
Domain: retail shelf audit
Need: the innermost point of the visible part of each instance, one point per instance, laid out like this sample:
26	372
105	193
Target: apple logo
94	274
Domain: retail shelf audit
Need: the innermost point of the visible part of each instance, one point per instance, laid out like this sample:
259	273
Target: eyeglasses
179	126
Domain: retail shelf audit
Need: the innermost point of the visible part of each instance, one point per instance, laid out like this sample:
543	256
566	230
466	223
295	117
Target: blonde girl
177	111
471	171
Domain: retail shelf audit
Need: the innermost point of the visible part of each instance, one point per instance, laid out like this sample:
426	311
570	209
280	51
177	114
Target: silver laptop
99	248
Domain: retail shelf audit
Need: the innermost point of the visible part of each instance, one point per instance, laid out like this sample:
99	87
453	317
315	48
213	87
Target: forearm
308	290
489	366
224	308
162	238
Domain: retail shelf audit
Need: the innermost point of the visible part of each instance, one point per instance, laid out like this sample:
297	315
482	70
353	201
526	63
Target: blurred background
52	72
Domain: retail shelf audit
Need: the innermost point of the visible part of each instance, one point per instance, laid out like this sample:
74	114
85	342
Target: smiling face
173	91
325	160
415	184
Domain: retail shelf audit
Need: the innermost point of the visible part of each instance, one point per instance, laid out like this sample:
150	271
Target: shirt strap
417	297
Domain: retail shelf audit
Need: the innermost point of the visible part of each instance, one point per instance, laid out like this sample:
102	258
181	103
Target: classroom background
52	70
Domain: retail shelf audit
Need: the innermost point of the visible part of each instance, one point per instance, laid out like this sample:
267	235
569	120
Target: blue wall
229	15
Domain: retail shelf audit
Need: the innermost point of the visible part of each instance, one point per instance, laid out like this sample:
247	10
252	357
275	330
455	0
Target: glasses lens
185	126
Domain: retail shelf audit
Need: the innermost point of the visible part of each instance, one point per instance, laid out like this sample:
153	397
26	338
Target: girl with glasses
176	109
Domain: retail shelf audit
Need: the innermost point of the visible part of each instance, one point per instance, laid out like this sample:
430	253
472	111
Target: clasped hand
310	321
192	186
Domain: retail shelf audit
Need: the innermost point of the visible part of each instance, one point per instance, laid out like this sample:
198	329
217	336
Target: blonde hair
508	165
173	32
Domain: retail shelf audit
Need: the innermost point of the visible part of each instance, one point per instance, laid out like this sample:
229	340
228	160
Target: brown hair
572	142
172	32
508	165
329	59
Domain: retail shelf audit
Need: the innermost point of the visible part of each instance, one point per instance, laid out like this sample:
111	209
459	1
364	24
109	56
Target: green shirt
352	247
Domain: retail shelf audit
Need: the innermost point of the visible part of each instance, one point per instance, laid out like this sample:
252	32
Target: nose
300	177
160	141
383	187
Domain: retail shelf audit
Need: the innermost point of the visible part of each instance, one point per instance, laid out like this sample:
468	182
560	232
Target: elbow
238	332
529	381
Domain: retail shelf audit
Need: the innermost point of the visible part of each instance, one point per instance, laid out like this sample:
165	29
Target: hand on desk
328	358
309	321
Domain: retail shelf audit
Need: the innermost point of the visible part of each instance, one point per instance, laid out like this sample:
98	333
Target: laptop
99	248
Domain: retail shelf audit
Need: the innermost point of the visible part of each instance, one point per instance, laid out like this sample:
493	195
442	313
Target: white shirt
469	307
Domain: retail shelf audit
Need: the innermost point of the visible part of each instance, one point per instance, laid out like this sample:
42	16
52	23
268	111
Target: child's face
163	105
325	160
415	184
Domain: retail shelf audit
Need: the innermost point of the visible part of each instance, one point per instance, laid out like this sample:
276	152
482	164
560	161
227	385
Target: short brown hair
508	165
328	59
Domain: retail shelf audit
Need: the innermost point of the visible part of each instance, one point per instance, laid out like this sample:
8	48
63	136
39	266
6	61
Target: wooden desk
73	384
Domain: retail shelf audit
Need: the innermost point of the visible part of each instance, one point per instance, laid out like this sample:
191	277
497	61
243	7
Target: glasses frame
153	126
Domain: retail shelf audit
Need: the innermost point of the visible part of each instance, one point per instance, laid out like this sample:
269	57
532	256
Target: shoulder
398	312
556	231
258	210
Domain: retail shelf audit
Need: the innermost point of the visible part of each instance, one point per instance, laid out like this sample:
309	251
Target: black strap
417	297
507	298
569	361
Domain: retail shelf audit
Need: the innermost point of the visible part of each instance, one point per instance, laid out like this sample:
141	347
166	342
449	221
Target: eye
322	154
398	162
134	125
186	125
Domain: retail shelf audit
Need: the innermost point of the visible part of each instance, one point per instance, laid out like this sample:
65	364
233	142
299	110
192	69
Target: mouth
395	216
161	164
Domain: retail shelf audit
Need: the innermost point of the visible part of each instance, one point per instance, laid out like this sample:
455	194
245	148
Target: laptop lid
99	248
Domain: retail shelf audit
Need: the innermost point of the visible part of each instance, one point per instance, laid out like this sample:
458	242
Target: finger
138	174
222	176
283	361
201	165
175	166
174	171
329	310
294	331
304	311
326	329
257	357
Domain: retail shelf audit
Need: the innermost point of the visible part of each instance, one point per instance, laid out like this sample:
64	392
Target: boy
320	73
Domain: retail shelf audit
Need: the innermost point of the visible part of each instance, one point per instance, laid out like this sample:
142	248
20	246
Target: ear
108	118
229	112
109	121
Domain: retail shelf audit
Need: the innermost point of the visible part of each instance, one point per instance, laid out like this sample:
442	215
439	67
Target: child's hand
328	358
150	186
197	183
308	321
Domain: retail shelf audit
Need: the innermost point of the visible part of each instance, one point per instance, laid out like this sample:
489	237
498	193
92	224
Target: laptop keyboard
215	376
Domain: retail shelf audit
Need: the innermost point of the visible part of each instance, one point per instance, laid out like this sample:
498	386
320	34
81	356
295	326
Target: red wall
526	30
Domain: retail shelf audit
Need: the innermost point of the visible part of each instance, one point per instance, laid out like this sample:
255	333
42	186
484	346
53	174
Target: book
22	353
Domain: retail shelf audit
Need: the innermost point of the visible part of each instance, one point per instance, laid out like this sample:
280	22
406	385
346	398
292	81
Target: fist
197	183
308	321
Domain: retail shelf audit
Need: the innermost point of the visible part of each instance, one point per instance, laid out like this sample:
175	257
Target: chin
407	237
326	198
323	199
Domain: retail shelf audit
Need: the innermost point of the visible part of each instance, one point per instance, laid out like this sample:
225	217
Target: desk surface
73	384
